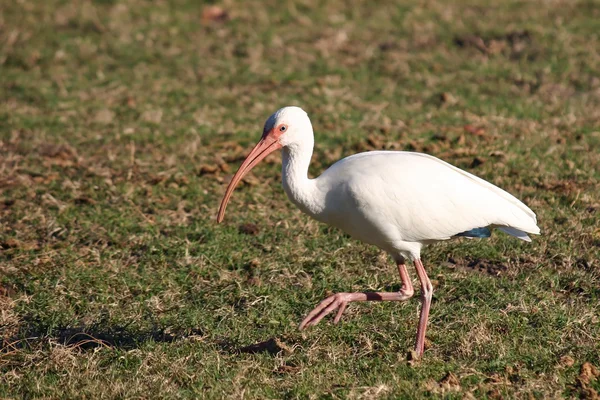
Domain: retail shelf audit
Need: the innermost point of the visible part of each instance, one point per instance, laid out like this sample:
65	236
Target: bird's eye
282	128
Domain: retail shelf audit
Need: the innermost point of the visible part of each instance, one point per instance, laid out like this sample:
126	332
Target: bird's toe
325	307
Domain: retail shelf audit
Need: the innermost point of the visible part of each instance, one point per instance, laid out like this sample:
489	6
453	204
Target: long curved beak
268	144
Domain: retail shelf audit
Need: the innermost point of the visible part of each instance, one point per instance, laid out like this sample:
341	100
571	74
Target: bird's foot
338	300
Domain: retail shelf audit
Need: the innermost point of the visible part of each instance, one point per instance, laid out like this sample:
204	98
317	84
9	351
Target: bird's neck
301	190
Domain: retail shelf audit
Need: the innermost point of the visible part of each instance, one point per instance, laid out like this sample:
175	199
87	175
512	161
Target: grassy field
121	122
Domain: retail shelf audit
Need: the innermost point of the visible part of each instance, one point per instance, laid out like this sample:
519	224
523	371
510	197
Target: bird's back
383	197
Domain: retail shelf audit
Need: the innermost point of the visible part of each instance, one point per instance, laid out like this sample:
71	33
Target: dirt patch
489	267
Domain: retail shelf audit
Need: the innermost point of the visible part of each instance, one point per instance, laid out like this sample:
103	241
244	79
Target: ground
121	122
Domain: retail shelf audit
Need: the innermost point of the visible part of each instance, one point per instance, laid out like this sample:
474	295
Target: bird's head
287	127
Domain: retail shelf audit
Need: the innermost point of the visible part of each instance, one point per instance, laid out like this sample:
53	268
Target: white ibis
398	201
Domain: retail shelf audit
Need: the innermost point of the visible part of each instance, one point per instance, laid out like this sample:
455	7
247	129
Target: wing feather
415	197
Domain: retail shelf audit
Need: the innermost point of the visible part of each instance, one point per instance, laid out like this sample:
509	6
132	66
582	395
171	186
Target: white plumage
397	201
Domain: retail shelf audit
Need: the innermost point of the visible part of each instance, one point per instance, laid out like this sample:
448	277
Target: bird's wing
421	197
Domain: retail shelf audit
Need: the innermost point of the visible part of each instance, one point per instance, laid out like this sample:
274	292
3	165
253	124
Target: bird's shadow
92	336
125	337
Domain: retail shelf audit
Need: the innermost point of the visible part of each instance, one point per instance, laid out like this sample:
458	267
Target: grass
121	123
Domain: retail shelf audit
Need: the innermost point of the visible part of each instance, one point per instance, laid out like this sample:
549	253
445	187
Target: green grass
116	282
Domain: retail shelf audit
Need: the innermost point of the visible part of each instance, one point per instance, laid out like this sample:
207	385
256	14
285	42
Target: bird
399	201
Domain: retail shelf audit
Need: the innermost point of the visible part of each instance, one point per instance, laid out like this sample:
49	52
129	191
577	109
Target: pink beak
267	144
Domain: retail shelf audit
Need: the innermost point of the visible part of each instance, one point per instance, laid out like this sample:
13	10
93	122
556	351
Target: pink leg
426	295
340	300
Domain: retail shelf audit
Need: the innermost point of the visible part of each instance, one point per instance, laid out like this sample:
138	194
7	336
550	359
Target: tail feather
515	232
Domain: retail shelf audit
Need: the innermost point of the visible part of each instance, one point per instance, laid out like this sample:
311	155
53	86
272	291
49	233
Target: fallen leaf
251	180
474	130
222	164
224	167
156	179
588	373
84	200
207	169
497	154
214	13
248	229
375	142
589	393
447	98
12	243
471	41
567	361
